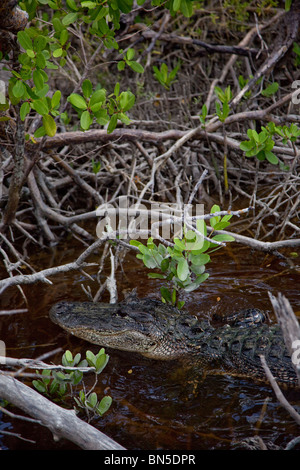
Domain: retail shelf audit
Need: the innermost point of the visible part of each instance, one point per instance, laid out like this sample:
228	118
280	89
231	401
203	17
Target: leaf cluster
163	76
104	109
183	264
56	384
260	144
46	47
222	105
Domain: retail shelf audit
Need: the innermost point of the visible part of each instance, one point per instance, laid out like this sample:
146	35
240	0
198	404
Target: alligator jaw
126	340
94	327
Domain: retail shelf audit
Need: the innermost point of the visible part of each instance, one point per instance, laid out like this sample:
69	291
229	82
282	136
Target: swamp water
154	405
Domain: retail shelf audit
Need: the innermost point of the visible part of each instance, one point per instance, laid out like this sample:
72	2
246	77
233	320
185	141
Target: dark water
156	405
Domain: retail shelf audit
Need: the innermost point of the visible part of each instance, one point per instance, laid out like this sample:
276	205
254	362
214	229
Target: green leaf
135	243
271	157
49	125
130	54
39	43
270	90
214	220
176	5
149	261
24	110
92	400
183	269
72	5
101	361
194	285
179	244
40	60
30	53
164	265
223	237
98	96
88	4
156	276
43	92
261	155
87	88
104	405
112	124
166	294
40	107
197	269
40	132
187	8
125	5
199	260
69	18
18	89
86	120
38	79
135	66
287	5
102	117
57	25
117	89
127	100
200	246
76	359
77	101
40	387
24	40
246	145
201	227
64	36
111	43
124	118
55	100
221	225
121	65
58	52
91	358
67	358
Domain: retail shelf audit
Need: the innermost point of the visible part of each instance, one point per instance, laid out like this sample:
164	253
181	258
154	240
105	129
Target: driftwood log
61	422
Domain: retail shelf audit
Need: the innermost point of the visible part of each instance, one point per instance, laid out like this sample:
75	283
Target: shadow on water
155	404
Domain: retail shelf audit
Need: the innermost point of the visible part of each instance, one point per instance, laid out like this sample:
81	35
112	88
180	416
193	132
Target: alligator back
238	350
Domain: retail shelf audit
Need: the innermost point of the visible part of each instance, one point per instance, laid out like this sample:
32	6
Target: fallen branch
37	364
210	48
61	422
279	395
288	323
291	332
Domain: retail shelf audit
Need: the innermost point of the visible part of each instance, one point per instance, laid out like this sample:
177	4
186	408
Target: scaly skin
160	331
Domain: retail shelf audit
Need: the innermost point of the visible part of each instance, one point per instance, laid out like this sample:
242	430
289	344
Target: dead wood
63	423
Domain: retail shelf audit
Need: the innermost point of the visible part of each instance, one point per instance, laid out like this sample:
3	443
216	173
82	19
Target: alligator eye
196	330
122	313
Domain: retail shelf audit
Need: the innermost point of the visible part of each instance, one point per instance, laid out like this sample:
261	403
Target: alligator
160	331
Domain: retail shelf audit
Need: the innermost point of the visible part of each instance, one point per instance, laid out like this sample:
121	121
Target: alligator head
146	326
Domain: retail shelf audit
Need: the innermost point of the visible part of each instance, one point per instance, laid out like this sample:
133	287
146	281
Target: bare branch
61	422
